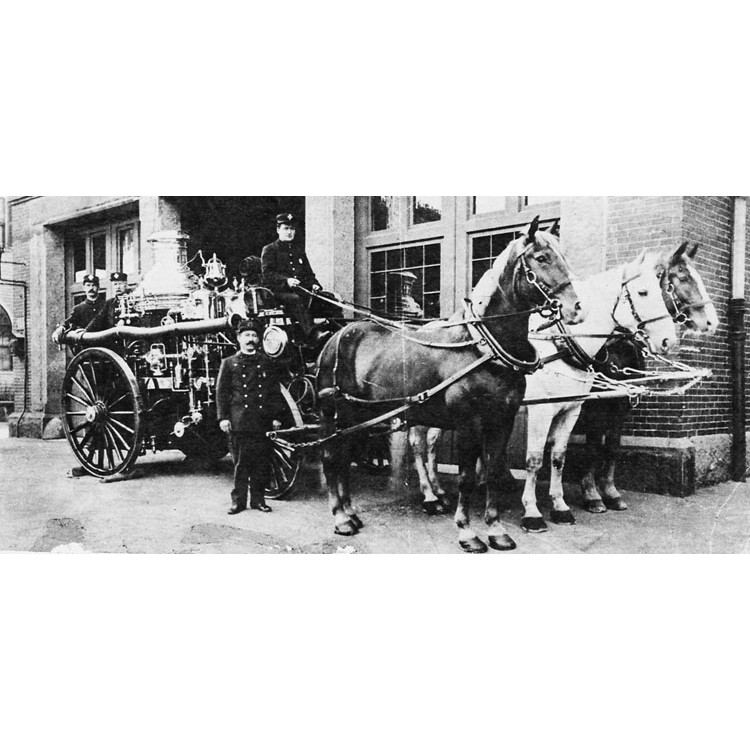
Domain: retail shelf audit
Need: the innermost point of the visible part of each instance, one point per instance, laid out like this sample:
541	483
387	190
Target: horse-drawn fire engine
149	383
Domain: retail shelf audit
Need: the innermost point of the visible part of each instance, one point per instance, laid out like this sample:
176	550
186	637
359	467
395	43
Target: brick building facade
354	243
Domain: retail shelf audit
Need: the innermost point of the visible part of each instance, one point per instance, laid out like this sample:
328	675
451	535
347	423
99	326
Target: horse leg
398	442
332	467
431	503
344	487
612	497
433	442
562	426
540	418
592	500
495	443
469	449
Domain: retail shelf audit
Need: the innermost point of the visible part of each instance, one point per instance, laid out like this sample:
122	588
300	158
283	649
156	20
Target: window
101	250
381	212
486	247
422	260
485	204
534	200
426	208
6	341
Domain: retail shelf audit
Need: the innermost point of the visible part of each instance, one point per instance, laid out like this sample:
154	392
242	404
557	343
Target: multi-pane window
422	260
486	247
426	208
533	200
381	212
485	204
6	341
100	251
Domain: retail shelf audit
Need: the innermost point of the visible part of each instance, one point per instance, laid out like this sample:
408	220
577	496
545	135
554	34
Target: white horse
629	297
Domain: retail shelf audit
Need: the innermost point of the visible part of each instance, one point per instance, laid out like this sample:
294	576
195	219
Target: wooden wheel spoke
123	426
80	427
114	403
83	391
285	463
90	363
86	385
117	436
107	440
75	413
113	437
75	398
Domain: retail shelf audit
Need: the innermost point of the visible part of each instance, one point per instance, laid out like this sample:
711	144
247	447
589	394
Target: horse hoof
502	543
434	508
346	529
595	506
474	545
354	518
616	504
534	524
563	517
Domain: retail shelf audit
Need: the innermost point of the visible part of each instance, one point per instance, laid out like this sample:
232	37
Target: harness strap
406	403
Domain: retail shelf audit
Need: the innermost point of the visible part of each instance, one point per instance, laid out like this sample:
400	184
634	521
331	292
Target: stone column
329	232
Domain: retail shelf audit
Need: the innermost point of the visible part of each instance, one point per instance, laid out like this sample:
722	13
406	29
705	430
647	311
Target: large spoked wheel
285	463
101	412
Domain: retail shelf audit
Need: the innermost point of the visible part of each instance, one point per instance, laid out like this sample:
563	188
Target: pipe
24	287
737	337
131	333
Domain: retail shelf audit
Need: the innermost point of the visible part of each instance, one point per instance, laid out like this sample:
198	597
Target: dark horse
602	421
481	354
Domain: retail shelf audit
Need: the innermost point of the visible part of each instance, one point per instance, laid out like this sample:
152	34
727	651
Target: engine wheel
285	463
101	412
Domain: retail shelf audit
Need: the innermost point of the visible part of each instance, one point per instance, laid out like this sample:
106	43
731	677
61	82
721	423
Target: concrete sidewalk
179	506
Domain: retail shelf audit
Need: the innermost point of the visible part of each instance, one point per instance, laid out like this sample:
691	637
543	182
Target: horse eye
643	292
541	259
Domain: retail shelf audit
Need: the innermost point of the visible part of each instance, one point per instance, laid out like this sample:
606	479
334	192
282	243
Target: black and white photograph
286	464
374	374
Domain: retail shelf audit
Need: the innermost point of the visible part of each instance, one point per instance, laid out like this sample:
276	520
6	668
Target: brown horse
466	374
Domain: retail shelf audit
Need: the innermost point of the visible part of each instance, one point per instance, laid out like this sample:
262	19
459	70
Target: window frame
75	291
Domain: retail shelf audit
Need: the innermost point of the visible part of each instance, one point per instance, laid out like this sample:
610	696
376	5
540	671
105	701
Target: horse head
641	306
685	293
541	273
531	272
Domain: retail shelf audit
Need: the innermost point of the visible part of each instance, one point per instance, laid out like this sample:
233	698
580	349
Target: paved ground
179	506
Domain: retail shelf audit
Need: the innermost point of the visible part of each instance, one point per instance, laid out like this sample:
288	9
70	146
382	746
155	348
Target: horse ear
693	250
533	228
676	256
555	228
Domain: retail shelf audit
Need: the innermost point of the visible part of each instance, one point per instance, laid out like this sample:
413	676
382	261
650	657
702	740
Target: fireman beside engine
249	404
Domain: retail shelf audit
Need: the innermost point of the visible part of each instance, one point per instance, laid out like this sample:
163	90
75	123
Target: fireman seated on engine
115	308
84	312
287	271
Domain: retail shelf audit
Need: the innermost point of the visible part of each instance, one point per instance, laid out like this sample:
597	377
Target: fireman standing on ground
249	401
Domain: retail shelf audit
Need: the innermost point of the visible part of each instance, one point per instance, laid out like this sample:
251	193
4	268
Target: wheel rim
285	463
101	412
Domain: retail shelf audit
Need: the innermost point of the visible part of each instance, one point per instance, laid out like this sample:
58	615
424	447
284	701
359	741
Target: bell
169	281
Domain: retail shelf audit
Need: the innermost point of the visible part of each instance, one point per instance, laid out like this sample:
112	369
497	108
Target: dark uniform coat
107	317
248	393
83	313
282	261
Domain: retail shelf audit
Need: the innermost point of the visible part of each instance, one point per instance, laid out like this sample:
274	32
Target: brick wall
637	223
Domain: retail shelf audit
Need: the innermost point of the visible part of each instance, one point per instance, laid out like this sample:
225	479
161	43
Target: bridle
552	307
679	307
640	322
